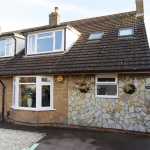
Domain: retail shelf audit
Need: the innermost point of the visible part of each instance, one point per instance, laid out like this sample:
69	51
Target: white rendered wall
71	38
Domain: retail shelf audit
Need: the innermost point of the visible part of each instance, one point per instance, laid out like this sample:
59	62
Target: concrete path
63	139
11	139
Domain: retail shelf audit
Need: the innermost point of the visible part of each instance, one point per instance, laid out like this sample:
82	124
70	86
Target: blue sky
18	14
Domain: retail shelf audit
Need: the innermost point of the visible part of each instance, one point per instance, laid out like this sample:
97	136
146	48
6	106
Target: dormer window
53	40
45	42
7	47
96	36
125	32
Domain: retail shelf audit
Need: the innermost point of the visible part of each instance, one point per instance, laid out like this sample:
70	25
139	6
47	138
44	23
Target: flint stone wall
128	112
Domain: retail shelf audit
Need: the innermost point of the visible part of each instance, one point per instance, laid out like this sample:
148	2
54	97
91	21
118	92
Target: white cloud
18	14
33	2
25	13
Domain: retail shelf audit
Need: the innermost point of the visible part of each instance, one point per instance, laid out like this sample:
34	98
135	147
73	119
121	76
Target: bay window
107	86
7	47
45	42
33	93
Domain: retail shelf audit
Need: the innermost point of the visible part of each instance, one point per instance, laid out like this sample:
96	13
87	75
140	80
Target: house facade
87	73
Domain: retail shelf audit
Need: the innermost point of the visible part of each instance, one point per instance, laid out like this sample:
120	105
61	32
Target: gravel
18	139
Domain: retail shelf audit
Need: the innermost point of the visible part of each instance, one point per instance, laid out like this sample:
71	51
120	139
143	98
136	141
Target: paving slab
11	139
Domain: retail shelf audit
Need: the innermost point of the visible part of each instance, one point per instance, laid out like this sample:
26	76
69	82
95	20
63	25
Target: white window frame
11	53
31	52
39	83
115	76
123	29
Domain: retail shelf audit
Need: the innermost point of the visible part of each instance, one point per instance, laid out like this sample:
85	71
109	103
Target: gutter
3	100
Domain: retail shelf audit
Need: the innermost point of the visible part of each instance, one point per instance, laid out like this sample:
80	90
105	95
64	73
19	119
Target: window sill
10	56
33	109
107	97
46	53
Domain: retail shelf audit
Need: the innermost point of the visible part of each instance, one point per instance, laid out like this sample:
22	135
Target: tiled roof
110	54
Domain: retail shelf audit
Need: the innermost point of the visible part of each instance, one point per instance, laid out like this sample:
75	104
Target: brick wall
58	116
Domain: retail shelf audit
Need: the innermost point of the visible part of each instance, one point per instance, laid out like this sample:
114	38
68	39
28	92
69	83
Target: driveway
67	139
15	137
11	139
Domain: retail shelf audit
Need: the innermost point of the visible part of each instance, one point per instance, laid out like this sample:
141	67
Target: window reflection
27	95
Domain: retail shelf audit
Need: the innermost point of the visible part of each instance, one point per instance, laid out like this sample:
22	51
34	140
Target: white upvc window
7	47
45	42
33	93
106	86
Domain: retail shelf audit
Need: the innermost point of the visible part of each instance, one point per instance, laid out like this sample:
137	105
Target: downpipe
3	100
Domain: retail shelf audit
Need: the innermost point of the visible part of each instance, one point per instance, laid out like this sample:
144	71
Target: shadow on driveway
69	139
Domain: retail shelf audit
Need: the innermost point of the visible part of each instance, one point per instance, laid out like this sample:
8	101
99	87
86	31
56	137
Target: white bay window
33	93
107	86
45	42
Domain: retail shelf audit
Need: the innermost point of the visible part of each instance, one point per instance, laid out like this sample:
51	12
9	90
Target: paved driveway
18	137
63	139
11	139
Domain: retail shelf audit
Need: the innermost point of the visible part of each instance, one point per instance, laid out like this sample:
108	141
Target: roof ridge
68	22
105	16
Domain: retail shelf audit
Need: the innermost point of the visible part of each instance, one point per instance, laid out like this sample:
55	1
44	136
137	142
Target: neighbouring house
92	72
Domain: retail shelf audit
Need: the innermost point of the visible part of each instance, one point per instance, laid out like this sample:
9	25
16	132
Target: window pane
46	79
9	47
27	95
58	40
27	80
2	48
107	90
31	44
43	35
96	36
106	80
45	95
45	44
126	32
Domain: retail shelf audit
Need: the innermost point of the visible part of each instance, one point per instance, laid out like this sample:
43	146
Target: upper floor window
96	35
45	42
7	47
126	32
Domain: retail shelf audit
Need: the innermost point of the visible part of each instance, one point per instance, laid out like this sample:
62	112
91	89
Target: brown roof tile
110	54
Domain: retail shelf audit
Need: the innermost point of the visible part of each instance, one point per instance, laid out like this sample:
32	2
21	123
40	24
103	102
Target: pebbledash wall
128	112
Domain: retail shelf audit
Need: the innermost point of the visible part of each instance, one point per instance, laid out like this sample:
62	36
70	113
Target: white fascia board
19	35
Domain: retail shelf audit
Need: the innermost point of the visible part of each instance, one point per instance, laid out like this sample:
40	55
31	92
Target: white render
72	36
